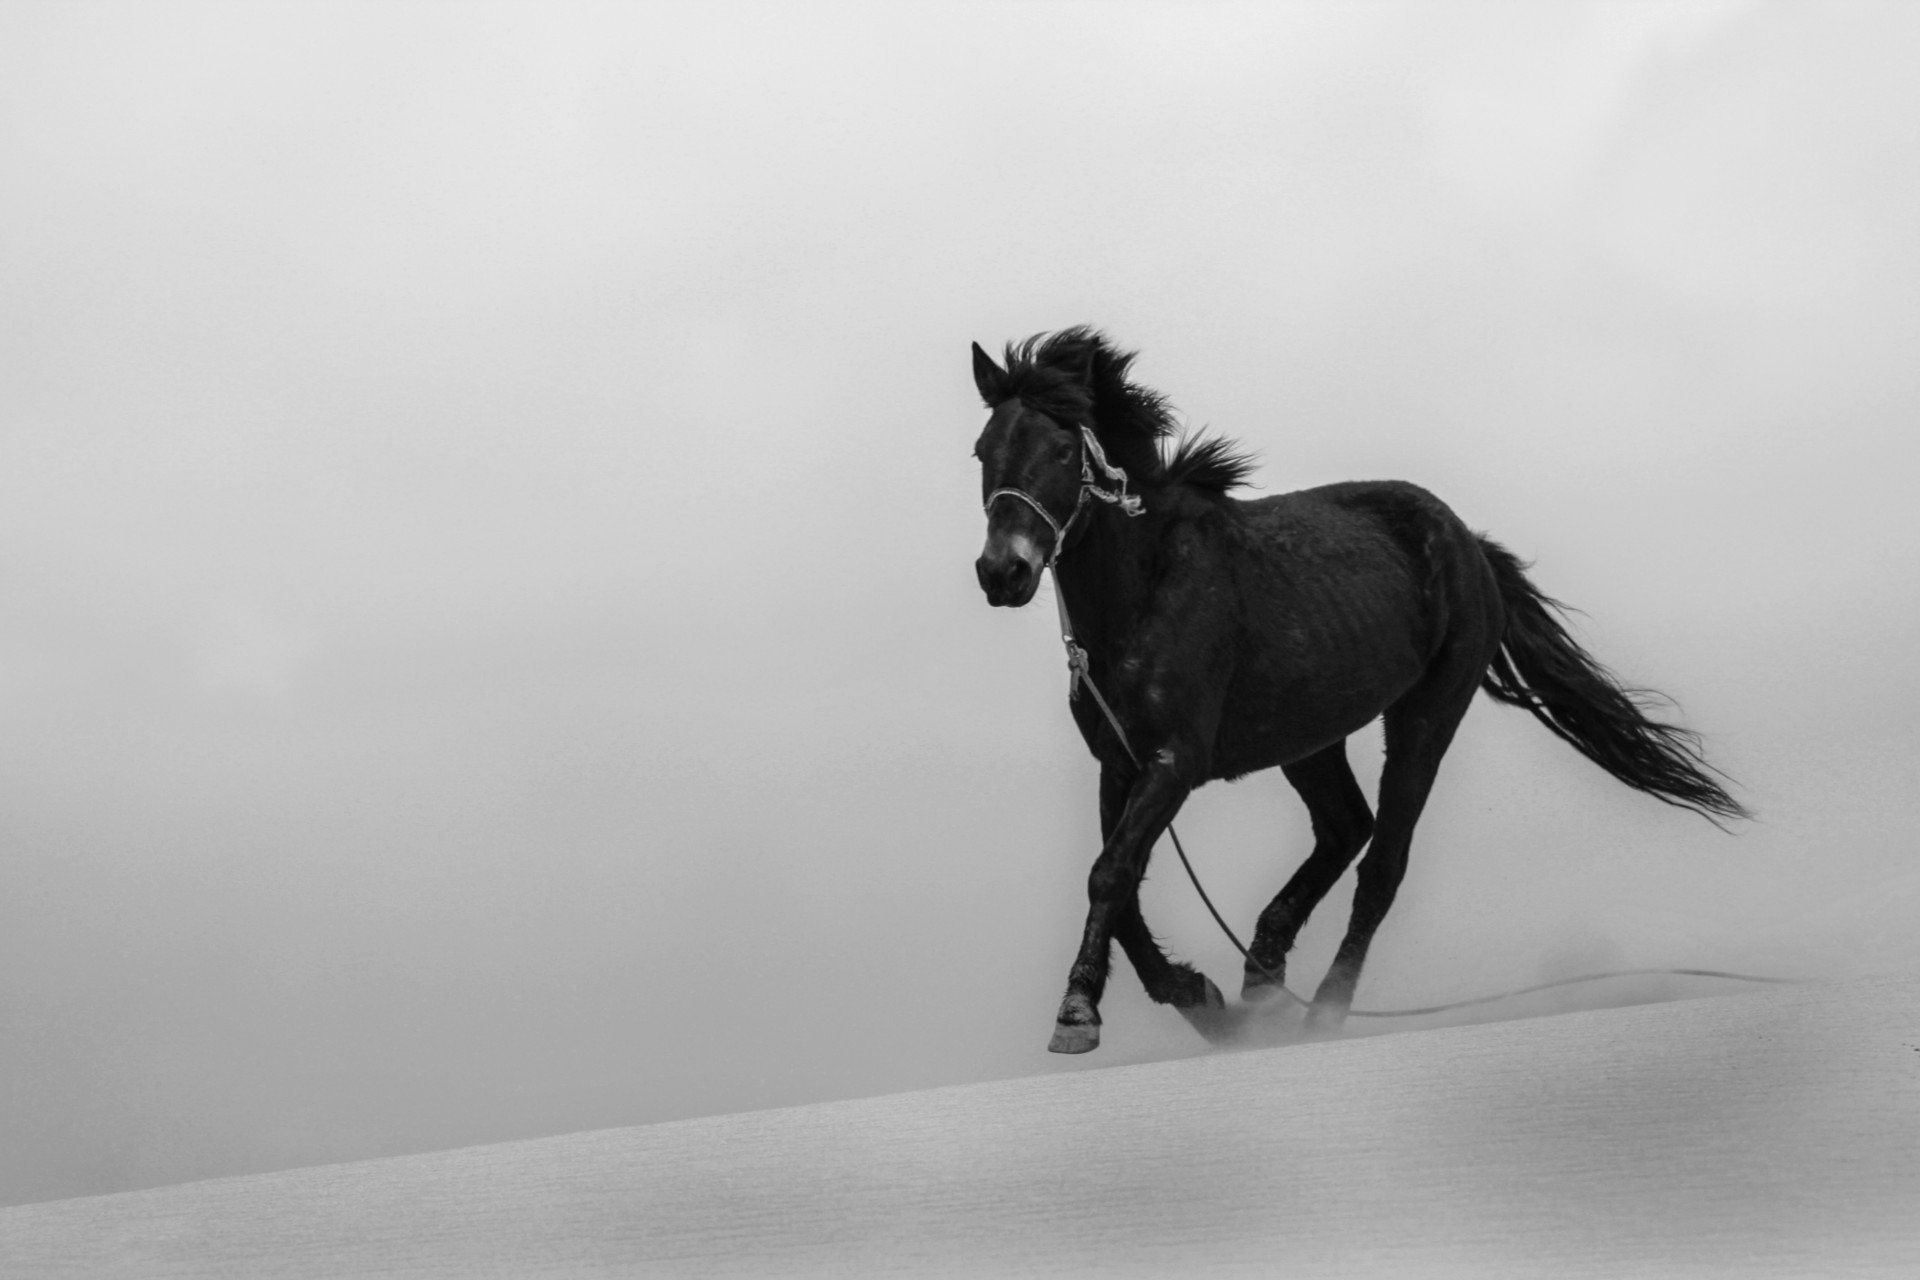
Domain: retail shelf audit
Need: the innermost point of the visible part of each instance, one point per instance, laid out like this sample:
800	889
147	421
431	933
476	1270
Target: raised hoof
1083	1038
1213	1020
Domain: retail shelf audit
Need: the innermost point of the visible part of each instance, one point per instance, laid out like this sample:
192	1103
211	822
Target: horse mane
1077	376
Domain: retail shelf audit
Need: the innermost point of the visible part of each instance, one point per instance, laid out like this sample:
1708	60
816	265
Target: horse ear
1086	370
988	377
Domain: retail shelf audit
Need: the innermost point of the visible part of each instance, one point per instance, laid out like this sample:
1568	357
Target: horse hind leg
1419	729
1342	824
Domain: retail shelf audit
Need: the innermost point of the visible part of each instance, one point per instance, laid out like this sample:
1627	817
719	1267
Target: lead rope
1077	665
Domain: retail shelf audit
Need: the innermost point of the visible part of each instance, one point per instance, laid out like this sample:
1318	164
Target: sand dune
1768	1134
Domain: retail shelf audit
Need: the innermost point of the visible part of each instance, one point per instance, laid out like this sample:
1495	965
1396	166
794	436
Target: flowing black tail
1539	667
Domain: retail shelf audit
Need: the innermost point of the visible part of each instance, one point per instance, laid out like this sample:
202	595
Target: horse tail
1539	667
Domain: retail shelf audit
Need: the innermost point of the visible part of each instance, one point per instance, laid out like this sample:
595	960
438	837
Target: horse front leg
1166	981
1152	797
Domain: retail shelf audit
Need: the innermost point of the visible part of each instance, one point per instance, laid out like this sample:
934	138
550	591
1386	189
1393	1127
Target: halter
1091	456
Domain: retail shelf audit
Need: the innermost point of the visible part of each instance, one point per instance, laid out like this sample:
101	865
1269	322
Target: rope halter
1091	456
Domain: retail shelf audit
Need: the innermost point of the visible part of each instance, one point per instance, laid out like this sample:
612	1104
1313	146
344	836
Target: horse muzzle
1009	570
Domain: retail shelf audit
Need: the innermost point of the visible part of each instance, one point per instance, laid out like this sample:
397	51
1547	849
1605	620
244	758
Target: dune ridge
1773	1133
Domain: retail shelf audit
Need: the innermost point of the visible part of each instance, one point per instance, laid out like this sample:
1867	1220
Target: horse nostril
1006	577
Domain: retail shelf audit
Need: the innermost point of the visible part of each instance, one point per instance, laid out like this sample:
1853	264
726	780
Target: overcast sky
488	638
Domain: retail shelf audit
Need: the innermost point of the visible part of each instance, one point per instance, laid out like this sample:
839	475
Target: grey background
488	644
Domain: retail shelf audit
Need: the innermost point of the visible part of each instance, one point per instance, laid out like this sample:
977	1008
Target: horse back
1346	593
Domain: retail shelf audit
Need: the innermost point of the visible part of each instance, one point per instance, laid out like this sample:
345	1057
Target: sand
1775	1133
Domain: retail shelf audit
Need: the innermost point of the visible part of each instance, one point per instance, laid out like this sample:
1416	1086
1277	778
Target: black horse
1229	636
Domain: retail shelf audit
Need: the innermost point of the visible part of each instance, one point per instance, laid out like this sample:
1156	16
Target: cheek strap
1091	455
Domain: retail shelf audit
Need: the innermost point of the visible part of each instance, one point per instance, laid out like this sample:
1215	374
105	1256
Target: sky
488	636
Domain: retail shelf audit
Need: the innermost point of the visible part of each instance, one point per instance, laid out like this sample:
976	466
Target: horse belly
1312	686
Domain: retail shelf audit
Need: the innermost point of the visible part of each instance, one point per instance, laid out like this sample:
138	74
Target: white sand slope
1767	1134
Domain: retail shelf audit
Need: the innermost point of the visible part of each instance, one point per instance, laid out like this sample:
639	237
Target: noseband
1091	456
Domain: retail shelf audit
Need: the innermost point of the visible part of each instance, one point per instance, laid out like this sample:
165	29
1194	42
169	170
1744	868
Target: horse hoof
1081	1038
1258	990
1325	1019
1213	1020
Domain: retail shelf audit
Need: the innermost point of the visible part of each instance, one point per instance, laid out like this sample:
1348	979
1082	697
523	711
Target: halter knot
1093	455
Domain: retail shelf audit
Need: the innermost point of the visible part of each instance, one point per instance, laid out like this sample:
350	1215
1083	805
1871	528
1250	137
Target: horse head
1031	484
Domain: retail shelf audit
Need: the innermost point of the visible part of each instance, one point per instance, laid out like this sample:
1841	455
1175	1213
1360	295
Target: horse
1225	636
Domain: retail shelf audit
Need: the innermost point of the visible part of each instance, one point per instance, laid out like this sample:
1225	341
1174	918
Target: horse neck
1106	578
